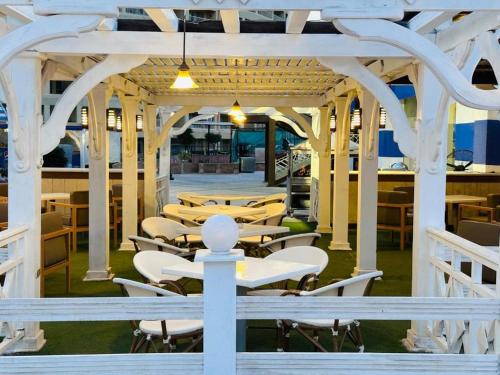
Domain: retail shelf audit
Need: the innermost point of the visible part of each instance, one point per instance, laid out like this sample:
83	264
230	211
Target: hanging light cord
184	41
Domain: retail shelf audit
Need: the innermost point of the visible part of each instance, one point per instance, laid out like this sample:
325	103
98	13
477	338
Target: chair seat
324	323
174	327
255	239
267	292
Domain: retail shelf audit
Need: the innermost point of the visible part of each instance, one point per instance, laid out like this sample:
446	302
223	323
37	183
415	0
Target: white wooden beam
165	19
245	101
296	20
231	21
46	7
213	45
426	22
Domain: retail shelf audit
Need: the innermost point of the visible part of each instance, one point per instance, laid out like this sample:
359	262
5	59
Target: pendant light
236	113
184	80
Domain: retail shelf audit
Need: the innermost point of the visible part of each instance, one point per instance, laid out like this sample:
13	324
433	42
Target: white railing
448	254
12	247
220	309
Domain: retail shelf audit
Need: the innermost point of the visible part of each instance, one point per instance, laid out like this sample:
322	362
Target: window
58	87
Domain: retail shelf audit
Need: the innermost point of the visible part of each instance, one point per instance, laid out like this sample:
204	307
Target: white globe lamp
220	233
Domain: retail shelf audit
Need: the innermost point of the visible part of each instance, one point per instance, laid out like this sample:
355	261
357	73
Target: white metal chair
168	231
150	262
340	328
169	331
273	198
180	219
274	218
145	244
303	239
272	209
298	254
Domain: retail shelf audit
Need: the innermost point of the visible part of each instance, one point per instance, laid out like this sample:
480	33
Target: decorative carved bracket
404	135
304	124
54	129
455	83
171	121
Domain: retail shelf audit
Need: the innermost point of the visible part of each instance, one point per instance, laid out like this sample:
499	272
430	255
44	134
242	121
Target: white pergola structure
288	71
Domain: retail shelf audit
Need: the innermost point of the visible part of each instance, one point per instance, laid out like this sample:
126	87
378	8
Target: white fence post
220	233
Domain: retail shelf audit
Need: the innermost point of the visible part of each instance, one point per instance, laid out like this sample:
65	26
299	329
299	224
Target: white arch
296	128
455	83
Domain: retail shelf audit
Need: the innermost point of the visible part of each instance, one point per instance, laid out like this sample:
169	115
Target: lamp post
219	234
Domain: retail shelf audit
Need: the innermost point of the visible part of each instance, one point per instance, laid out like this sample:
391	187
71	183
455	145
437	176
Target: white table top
233	211
54	196
229	197
464	199
250	273
246	230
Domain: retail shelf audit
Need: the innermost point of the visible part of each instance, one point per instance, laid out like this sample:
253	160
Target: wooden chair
4	215
55	253
489	213
117	194
393	213
340	328
78	219
484	234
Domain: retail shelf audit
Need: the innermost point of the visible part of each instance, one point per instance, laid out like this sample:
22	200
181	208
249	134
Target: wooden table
452	201
228	198
246	230
201	213
250	273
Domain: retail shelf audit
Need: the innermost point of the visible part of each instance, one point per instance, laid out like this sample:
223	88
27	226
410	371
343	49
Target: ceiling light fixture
236	113
184	80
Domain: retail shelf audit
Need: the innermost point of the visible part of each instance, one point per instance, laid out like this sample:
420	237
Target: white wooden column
366	250
340	220
430	191
23	80
324	175
165	153
99	268
129	171
149	161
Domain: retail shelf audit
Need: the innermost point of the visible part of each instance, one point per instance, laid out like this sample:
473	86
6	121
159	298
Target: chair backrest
145	244
493	200
302	254
274	220
136	289
356	286
4	212
303	239
391	215
55	249
173	209
149	264
410	190
484	234
273	198
4	189
180	219
159	227
190	200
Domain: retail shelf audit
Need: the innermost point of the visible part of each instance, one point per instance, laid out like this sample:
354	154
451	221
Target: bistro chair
168	231
192	200
273	198
272	209
54	247
145	332
341	329
4	215
149	264
484	234
489	213
303	239
394	214
180	219
297	254
146	244
253	242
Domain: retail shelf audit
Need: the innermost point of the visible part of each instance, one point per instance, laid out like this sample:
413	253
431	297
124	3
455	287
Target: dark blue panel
463	139
486	140
403	91
387	147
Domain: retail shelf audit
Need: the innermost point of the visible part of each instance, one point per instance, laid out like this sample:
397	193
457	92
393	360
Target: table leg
241	325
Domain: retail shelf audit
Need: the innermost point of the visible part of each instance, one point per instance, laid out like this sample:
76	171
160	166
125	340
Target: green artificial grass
115	337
